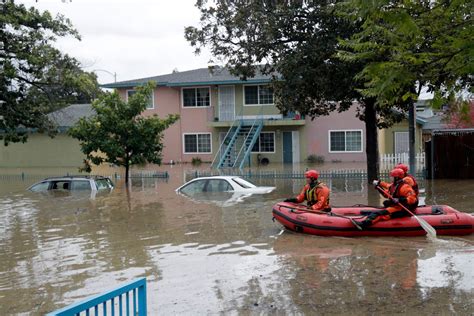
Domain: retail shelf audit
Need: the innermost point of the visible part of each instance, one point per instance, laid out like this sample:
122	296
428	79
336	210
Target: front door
226	103
287	147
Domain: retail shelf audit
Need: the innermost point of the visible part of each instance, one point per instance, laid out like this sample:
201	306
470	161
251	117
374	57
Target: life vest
394	189
415	186
311	195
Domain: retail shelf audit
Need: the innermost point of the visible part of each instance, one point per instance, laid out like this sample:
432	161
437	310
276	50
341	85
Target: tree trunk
127	167
371	140
411	137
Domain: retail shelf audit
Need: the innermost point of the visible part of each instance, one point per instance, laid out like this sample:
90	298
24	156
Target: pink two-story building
234	122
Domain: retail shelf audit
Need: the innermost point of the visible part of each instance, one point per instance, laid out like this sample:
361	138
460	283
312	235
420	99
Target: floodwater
223	254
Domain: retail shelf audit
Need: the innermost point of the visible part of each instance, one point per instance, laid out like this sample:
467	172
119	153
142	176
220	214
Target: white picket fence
392	159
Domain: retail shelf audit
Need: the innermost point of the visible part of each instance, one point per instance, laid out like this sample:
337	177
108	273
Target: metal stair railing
250	145
250	140
242	145
235	125
229	146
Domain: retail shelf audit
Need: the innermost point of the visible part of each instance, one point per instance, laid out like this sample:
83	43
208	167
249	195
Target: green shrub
196	161
315	159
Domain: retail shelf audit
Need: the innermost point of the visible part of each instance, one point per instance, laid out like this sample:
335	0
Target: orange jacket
400	190
317	197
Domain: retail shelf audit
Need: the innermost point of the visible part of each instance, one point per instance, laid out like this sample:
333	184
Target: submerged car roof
77	177
218	177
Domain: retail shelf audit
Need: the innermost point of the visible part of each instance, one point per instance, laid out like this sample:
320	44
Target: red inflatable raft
444	219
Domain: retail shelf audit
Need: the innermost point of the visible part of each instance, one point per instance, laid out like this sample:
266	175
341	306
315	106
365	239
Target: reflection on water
203	257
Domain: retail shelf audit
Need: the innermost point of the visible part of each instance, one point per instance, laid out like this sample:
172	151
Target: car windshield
43	186
244	183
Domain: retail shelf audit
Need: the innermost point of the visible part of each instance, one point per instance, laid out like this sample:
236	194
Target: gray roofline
129	84
453	130
207	83
185	84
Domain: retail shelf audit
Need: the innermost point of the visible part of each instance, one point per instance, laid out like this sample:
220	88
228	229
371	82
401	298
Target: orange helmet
397	173
311	174
403	167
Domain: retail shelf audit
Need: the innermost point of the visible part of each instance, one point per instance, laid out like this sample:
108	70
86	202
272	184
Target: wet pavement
223	254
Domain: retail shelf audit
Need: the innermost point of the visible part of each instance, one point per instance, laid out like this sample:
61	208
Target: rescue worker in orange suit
408	178
315	193
401	192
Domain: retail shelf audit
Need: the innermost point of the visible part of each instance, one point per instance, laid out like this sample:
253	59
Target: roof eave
185	84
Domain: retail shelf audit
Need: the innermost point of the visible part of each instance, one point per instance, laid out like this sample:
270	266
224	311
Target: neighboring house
43	151
221	116
394	140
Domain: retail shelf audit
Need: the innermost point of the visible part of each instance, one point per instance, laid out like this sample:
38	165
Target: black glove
388	203
291	200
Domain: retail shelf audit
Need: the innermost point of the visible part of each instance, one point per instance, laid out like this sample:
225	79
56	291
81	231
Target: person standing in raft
402	194
315	193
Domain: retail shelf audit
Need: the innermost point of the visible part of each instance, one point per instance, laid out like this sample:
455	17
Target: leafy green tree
118	133
35	77
408	45
297	42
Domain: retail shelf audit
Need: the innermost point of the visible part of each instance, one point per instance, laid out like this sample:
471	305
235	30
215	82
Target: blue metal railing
224	146
238	131
111	302
256	128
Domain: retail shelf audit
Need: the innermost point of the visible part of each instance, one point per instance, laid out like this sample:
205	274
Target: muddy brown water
222	254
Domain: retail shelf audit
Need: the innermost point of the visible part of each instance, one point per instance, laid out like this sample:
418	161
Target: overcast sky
132	38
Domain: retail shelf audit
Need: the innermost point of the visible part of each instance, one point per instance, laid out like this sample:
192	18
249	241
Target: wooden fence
451	154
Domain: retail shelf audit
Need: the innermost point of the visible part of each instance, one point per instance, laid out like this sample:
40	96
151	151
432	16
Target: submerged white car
223	191
222	184
73	183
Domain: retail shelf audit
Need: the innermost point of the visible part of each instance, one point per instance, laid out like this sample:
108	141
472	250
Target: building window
345	141
196	97
258	95
151	101
265	143
401	142
197	143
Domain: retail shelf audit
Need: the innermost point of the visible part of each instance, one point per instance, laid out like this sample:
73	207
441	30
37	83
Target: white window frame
152	98
345	141
260	145
258	95
197	133
195	93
